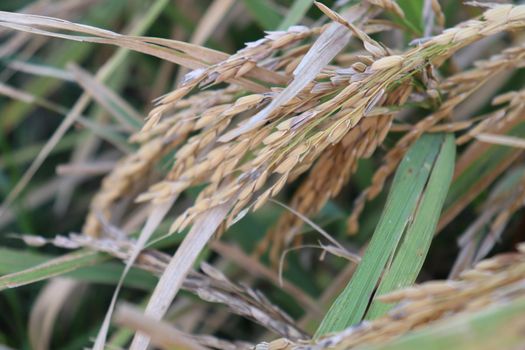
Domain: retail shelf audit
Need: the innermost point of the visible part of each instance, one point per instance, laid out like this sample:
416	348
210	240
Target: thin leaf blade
416	241
409	182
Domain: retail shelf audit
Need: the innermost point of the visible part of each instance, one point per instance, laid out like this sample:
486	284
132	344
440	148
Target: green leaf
24	267
295	13
416	241
51	268
408	185
413	10
264	13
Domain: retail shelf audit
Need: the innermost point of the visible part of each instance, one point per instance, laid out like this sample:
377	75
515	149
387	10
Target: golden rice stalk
196	158
258	54
127	172
496	280
131	173
458	88
237	65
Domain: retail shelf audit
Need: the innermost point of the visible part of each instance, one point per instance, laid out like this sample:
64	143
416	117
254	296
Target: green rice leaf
413	250
413	10
295	13
51	268
22	267
408	186
264	13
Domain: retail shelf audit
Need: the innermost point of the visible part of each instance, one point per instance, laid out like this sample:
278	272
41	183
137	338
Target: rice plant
276	174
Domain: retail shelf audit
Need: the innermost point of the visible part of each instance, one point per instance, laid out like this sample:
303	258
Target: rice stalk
129	174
